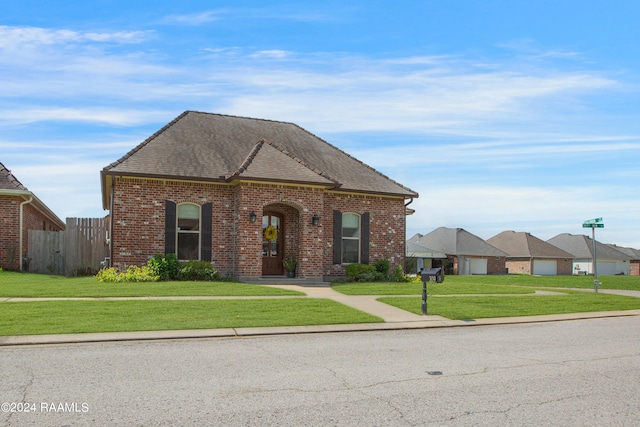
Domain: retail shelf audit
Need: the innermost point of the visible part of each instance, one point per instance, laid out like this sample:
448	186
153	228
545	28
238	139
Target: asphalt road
572	373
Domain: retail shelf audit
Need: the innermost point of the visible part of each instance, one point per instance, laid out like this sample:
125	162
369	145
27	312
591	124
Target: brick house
20	211
527	254
243	193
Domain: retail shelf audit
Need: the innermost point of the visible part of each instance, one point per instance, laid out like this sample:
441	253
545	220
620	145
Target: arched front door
272	244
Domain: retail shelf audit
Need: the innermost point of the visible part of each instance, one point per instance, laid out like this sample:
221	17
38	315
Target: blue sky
503	115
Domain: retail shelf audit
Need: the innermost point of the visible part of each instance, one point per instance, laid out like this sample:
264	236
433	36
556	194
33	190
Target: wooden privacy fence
77	251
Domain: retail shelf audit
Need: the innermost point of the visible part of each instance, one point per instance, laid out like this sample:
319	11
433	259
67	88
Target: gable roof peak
8	181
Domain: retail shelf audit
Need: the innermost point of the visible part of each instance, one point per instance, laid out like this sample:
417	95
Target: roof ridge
238	117
146	141
249	159
301	161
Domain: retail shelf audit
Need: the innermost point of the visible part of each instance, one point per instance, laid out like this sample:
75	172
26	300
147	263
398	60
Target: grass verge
61	317
451	287
478	307
26	285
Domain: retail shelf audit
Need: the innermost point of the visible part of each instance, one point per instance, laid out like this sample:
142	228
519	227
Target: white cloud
113	116
194	18
16	38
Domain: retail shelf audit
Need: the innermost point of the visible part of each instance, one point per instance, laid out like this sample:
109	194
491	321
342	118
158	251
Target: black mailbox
432	275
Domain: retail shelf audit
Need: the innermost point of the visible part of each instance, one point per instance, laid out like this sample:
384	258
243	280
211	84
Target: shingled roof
581	247
221	148
457	241
8	181
525	245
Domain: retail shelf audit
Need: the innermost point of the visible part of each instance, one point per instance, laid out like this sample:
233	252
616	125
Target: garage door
545	267
606	268
478	265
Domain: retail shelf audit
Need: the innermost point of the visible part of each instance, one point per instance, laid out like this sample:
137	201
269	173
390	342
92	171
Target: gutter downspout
26	202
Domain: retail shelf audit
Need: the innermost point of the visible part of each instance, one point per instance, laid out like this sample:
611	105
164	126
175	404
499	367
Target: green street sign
592	225
593	221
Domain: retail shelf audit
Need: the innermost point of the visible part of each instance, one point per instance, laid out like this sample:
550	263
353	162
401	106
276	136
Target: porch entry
272	244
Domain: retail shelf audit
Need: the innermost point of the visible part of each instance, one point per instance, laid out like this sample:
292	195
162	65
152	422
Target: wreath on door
270	233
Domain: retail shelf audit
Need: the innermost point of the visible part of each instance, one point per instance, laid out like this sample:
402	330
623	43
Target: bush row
159	268
378	272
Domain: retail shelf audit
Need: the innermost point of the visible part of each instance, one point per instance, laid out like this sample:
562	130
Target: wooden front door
272	244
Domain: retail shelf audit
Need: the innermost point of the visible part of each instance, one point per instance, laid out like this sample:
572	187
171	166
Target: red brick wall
519	266
9	234
496	265
565	267
387	228
32	219
138	223
634	268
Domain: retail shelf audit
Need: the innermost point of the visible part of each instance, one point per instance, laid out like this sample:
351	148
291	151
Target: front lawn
477	307
508	284
449	287
65	317
28	285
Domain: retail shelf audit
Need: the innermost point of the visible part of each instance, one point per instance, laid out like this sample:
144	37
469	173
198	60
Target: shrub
374	276
133	274
108	275
139	274
166	267
382	266
1	270
356	269
197	270
398	275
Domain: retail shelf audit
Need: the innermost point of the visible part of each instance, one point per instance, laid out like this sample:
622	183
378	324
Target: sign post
593	224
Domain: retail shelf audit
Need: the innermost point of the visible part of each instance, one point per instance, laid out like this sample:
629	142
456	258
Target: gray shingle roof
580	246
419	251
457	241
631	252
8	181
215	147
524	245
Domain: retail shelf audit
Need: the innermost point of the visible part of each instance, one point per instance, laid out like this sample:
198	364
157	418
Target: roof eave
37	203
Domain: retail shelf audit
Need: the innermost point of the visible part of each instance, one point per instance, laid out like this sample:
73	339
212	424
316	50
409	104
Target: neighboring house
243	193
20	211
526	254
424	257
634	263
468	253
609	261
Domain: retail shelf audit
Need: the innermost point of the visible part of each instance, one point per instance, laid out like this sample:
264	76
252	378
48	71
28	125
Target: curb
433	322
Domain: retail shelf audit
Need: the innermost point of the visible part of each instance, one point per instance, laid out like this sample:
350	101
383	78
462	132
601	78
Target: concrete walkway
394	318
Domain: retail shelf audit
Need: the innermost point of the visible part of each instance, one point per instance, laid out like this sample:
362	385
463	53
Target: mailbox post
428	275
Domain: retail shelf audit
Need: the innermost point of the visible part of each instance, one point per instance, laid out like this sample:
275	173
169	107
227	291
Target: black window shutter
169	227
205	237
364	238
337	237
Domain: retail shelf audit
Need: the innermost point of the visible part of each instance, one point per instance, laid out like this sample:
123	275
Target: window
350	238
188	231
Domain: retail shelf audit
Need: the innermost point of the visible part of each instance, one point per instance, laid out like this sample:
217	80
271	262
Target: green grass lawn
511	284
476	307
459	297
58	317
449	287
40	285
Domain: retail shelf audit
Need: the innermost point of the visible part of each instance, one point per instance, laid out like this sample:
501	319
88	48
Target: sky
516	115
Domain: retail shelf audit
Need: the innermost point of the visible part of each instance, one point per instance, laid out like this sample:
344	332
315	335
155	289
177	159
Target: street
571	373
